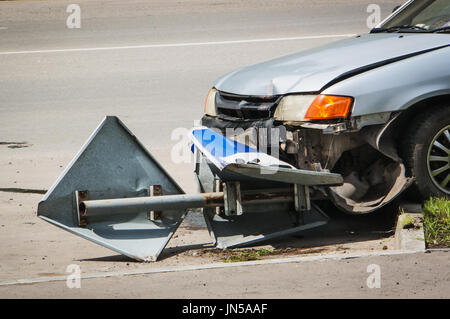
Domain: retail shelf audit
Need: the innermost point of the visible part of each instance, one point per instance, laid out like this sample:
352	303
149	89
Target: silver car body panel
343	64
397	86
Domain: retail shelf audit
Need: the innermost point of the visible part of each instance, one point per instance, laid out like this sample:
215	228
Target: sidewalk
418	275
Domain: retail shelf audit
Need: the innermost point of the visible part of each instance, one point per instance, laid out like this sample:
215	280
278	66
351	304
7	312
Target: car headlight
313	107
210	103
293	107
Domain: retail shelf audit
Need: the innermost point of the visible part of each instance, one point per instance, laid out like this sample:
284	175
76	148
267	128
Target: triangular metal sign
114	164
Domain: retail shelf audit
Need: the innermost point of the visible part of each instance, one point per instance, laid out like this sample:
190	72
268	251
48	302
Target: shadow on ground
343	228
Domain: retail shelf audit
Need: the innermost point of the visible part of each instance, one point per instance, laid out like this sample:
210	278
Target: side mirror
396	8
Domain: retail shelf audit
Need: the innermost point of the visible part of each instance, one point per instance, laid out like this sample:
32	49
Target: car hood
313	70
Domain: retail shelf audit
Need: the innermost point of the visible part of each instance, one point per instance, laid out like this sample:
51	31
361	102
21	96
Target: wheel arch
395	130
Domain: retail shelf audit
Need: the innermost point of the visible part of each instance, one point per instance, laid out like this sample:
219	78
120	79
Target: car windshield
420	16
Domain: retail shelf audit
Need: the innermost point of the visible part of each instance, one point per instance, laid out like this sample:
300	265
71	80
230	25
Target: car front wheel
427	152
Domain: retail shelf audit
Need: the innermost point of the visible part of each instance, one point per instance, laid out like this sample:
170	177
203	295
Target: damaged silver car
374	108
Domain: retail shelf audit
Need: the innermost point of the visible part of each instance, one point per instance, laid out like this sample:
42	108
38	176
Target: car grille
240	107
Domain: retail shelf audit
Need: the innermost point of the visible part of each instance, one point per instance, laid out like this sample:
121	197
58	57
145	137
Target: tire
426	152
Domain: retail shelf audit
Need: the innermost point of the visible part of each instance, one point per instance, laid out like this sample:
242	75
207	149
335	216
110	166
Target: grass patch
246	255
436	222
408	221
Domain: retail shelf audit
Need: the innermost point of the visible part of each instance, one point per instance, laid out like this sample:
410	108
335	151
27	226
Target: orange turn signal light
326	107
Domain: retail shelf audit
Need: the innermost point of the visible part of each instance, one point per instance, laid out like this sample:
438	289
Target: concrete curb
149	271
410	236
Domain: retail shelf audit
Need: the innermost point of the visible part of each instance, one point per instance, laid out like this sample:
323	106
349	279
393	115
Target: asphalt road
150	63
